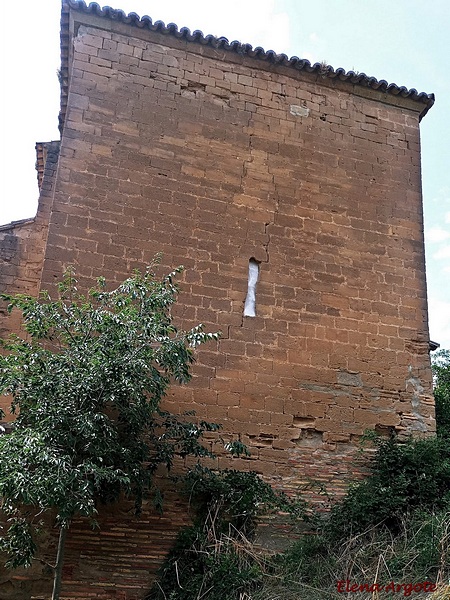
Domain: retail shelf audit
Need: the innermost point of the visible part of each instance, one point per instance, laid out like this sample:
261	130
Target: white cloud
436	234
313	58
439	320
447	217
443	252
314	38
442	196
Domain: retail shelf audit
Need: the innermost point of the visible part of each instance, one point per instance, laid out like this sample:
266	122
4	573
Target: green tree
86	388
441	377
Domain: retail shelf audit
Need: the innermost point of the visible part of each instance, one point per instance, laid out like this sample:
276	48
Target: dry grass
375	557
311	570
442	593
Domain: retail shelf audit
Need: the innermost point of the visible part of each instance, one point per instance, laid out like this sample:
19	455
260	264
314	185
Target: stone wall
214	162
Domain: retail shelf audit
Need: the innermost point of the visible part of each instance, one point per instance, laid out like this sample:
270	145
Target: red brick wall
212	159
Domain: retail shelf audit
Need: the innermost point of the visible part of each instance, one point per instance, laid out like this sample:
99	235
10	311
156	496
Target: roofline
15	224
433	345
269	56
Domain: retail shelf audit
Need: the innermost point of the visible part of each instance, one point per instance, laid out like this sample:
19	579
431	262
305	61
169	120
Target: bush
403	477
395	525
214	558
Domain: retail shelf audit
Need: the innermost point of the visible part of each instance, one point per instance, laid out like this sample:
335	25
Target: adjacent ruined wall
22	246
214	159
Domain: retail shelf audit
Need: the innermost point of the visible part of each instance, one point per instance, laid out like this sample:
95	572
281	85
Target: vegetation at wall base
405	477
215	563
215	557
392	528
229	567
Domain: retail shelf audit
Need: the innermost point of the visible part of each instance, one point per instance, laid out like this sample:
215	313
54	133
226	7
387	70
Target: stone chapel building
264	176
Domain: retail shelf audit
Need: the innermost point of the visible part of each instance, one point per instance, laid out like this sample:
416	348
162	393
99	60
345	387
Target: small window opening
250	301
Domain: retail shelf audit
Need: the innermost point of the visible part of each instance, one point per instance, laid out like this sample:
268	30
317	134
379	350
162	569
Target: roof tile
259	53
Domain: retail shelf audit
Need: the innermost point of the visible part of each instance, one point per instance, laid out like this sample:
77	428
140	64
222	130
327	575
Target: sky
406	42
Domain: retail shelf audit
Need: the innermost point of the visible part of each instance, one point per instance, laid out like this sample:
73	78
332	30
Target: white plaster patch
417	388
298	111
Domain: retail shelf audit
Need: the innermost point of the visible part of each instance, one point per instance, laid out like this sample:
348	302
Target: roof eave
319	69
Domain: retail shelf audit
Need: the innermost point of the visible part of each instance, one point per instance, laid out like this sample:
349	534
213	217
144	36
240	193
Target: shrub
404	476
214	558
